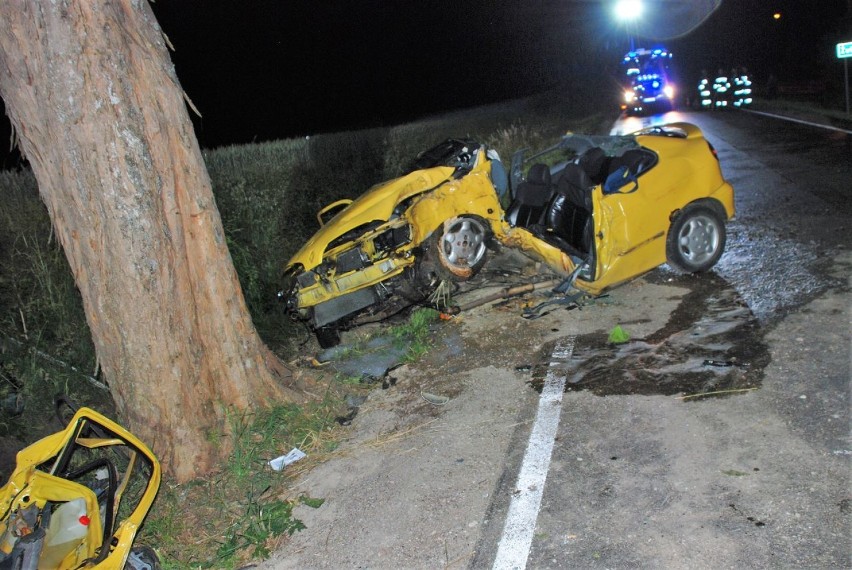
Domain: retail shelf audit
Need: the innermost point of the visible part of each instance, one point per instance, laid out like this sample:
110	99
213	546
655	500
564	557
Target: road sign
844	50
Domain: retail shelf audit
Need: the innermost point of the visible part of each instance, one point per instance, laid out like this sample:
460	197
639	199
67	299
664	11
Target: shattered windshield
573	145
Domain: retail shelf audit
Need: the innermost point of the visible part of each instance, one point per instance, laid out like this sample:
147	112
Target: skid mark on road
514	548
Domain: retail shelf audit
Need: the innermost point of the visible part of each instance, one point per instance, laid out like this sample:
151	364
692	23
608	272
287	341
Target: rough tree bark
91	91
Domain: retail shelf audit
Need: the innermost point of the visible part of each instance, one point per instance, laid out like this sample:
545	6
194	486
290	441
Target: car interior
560	212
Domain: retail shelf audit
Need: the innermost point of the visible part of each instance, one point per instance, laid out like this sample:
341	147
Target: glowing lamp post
628	11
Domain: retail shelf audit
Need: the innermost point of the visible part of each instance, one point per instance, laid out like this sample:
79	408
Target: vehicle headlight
628	96
669	91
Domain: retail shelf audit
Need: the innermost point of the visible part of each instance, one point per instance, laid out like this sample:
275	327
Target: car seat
569	217
531	198
594	162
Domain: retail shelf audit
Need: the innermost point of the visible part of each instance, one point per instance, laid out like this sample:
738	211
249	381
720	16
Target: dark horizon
267	70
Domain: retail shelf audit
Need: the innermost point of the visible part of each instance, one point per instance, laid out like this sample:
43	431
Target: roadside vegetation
268	195
832	110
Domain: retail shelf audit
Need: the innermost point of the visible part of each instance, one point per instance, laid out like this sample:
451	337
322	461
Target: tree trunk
93	95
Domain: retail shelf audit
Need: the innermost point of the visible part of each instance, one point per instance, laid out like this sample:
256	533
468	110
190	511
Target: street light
628	11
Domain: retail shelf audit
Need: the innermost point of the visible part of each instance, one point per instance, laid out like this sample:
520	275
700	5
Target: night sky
266	69
274	68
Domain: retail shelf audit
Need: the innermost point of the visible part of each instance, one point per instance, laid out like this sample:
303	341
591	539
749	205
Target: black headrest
573	175
593	161
539	174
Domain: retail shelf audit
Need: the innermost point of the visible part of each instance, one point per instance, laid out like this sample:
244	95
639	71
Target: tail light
713	151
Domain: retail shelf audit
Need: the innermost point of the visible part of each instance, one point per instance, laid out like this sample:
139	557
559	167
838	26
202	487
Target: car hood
376	204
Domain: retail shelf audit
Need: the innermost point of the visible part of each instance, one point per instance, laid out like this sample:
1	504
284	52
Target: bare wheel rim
463	243
699	239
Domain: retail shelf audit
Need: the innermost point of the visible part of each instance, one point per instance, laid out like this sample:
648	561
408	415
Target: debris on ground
353	404
618	335
77	513
504	293
434	399
279	463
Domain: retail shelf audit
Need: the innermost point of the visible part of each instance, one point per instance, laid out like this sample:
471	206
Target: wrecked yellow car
76	499
598	210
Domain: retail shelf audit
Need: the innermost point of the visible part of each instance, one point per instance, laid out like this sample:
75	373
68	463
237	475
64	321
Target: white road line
791	119
518	532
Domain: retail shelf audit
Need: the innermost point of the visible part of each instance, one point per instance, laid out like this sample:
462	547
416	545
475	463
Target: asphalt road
758	479
624	471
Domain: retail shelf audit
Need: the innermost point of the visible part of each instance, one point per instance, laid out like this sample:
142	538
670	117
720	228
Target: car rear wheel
696	239
460	244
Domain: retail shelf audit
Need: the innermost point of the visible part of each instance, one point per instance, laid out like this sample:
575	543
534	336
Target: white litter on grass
280	463
514	547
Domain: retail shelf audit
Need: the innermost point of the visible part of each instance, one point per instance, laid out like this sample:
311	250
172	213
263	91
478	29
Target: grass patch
416	332
243	512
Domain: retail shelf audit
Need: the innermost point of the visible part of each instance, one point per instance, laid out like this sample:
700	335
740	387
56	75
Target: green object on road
618	335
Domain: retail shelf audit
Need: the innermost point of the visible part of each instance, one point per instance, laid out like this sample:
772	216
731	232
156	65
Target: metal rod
504	294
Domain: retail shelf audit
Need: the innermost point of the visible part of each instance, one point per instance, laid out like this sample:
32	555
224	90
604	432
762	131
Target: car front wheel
696	239
460	244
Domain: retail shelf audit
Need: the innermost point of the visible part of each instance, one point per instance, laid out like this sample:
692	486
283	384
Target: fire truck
648	87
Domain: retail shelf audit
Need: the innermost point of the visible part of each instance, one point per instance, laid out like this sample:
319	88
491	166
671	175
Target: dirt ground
640	477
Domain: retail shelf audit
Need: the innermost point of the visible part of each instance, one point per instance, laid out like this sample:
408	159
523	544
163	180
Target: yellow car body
401	237
96	464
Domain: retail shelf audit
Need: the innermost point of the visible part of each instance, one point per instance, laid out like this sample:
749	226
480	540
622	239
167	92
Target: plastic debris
280	463
618	335
347	419
434	399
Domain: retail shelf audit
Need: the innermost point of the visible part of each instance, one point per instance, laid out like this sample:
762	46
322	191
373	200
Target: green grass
244	510
416	332
263	520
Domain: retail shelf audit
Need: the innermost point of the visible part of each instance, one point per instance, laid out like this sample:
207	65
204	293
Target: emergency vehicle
647	83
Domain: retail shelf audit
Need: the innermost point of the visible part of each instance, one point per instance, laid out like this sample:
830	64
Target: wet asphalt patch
712	345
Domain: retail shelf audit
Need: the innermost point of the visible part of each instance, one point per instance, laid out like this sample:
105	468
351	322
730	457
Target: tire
459	247
696	239
142	557
327	337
